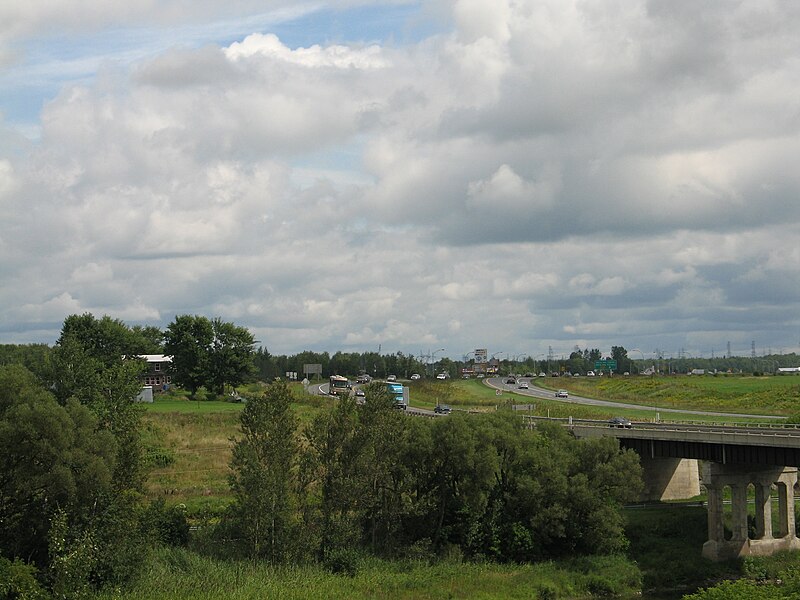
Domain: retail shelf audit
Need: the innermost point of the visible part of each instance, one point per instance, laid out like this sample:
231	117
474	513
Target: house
157	375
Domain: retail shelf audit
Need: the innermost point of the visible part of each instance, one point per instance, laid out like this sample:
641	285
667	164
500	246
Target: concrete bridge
733	457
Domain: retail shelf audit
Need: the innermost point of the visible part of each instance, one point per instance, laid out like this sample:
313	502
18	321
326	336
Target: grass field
183	575
753	395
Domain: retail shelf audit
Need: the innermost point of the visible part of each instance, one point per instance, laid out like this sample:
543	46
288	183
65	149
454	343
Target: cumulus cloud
538	174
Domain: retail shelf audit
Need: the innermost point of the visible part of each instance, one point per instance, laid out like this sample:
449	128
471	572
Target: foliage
188	341
94	361
231	360
178	574
162	524
208	353
18	581
72	560
51	457
262	515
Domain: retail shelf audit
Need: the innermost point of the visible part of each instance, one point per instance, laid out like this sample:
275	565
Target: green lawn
753	395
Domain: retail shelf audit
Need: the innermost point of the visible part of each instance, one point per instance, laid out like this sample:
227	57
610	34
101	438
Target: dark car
442	409
619	422
511	380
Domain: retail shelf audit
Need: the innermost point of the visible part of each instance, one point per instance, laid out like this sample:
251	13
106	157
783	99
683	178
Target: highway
321	389
499	383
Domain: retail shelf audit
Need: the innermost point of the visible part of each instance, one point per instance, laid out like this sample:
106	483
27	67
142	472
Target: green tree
331	470
94	362
107	340
384	474
620	354
231	358
188	341
147	339
263	465
51	457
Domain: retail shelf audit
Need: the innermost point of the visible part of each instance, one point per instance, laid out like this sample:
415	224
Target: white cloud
545	174
340	57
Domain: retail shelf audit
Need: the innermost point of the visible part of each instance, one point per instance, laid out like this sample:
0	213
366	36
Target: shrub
546	591
342	561
18	580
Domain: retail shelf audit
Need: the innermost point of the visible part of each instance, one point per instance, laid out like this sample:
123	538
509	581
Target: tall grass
179	574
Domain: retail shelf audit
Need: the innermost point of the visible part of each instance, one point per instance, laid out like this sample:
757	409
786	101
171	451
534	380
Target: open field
188	444
724	393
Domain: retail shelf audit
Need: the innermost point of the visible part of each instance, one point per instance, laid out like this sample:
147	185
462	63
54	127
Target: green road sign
605	364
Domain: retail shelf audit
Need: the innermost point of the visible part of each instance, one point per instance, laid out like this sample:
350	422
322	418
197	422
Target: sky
525	176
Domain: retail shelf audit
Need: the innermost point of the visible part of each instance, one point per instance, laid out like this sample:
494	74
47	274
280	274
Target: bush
546	591
603	587
166	525
342	561
18	580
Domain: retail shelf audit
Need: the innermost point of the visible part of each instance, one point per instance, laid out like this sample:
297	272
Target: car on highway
415	376
619	422
391	378
441	376
511	381
562	394
523	385
363	378
360	393
442	409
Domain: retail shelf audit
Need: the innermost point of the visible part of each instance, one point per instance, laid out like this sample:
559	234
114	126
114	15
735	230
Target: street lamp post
640	352
433	359
534	360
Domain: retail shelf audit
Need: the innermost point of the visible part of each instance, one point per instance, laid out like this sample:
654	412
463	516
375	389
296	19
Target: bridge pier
738	478
669	478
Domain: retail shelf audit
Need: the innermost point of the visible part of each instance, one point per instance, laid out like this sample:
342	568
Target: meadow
180	574
776	395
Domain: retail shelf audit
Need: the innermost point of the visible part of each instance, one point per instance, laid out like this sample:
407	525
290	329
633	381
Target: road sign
605	364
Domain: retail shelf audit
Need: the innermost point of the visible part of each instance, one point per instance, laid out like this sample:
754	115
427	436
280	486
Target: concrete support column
738	478
785	509
669	478
763	511
739	511
716	532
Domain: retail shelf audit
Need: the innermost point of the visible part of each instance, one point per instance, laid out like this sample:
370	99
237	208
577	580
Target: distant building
789	370
157	374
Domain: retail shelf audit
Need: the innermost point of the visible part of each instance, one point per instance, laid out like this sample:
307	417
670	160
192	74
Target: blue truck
398	393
